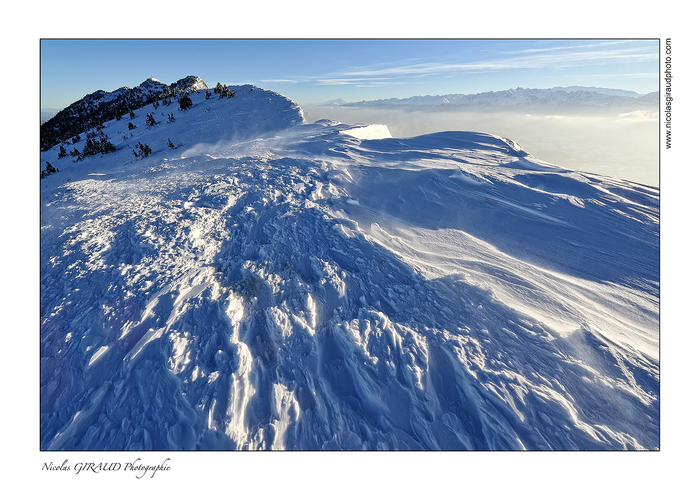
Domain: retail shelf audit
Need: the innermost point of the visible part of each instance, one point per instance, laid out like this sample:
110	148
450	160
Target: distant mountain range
568	96
47	113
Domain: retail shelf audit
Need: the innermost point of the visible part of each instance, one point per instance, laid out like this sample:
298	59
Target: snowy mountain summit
100	106
218	274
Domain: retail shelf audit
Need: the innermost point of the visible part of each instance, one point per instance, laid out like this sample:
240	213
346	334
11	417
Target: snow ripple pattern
310	290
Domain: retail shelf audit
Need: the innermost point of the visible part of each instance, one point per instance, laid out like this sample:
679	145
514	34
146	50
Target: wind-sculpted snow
311	290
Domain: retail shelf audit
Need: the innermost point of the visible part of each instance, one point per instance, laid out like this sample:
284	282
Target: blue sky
311	71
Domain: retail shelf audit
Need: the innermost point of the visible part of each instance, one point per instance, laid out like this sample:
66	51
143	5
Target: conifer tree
49	170
106	146
93	146
185	102
144	150
90	147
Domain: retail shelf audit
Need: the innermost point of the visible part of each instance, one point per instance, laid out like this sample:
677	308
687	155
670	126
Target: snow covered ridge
568	96
101	106
268	284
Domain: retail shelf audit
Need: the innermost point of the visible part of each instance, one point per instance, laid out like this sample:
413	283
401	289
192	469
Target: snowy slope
101	106
269	284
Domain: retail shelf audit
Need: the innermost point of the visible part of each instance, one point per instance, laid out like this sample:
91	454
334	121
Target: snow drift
268	284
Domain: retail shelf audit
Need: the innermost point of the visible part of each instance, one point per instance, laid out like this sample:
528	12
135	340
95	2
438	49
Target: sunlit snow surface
275	285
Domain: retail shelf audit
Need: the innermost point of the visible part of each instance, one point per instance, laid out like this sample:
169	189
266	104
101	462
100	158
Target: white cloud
568	56
345	81
543	60
279	80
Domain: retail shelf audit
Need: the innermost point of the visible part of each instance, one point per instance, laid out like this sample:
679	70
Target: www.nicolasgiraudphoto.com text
667	77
